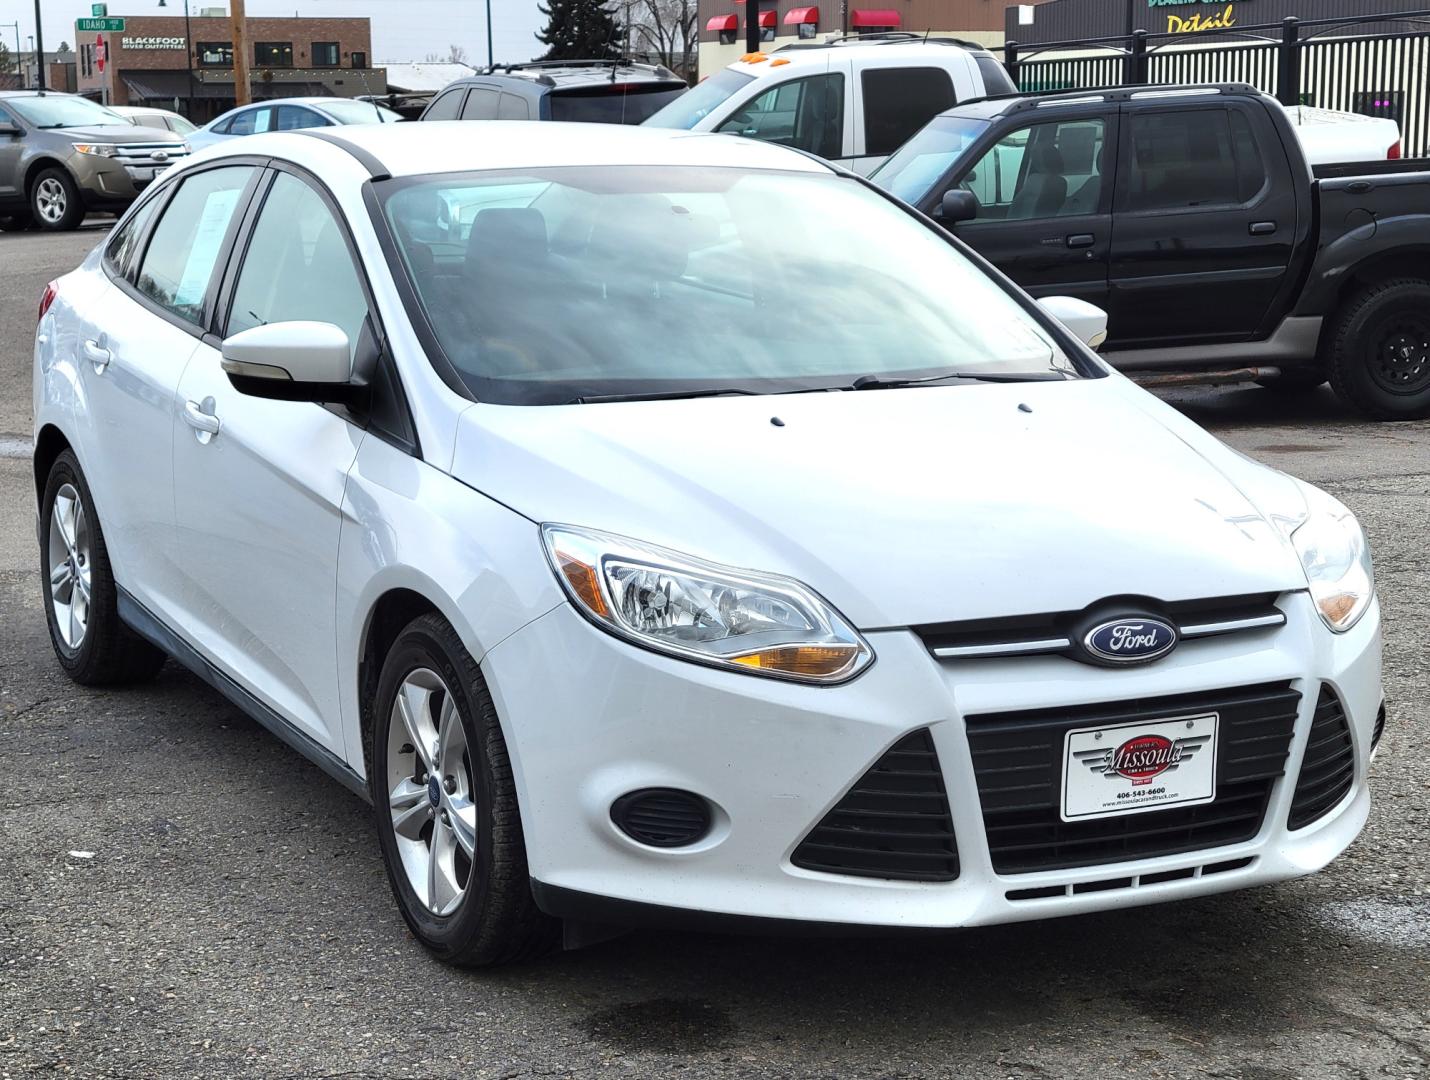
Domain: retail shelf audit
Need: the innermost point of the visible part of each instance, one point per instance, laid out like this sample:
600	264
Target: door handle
97	354
1081	240
1261	228
206	424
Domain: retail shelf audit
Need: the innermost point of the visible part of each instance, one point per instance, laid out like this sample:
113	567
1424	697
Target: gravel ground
181	895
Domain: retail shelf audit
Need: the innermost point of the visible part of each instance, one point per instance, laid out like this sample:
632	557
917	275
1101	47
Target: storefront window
273	54
325	54
215	53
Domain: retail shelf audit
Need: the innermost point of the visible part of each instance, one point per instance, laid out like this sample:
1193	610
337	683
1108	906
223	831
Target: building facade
723	23
59	70
157	60
1072	20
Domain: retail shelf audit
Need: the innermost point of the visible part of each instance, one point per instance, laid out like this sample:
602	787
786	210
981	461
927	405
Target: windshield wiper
880	382
661	395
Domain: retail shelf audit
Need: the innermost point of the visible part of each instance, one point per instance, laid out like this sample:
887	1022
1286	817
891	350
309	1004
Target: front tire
1379	350
55	202
446	809
81	601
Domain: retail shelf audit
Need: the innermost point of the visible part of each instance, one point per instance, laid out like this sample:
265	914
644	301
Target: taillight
1394	152
47	298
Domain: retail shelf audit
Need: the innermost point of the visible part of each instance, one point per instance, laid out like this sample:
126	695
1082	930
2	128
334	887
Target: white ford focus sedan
672	528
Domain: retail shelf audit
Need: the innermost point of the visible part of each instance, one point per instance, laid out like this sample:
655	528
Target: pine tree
579	30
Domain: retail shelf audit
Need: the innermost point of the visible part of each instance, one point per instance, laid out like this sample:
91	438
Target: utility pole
39	49
239	19
490	61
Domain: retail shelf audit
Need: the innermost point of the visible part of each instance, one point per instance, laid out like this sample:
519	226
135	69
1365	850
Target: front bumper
589	718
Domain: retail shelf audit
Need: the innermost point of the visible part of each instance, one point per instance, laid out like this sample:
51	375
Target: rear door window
1192	158
899	101
512	107
295	118
178	264
807	114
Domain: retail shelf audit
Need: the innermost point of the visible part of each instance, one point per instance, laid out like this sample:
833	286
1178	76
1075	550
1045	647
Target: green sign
99	10
112	24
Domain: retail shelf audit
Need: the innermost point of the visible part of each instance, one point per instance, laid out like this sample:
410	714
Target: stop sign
99	51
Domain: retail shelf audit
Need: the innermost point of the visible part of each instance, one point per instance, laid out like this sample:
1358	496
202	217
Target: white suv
645	548
853	101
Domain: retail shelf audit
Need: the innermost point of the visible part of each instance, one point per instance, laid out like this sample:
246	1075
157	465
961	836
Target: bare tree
666	30
456	54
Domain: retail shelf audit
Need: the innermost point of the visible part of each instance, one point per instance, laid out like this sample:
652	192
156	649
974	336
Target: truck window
899	101
807	114
1199	157
1046	170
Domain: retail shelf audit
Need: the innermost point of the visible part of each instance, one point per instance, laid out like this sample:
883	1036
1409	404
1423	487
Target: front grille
1328	766
893	823
1017	758
142	153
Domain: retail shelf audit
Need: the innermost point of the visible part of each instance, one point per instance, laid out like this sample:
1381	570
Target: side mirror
8	131
292	361
958	205
1087	322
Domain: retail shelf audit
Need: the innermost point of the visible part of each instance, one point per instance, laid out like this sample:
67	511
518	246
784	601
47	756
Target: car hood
912	506
121	133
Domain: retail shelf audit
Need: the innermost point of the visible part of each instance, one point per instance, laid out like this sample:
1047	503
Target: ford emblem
159	155
1130	640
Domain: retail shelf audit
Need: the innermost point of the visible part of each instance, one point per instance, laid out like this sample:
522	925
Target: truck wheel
1295	381
55	202
445	802
1379	354
90	642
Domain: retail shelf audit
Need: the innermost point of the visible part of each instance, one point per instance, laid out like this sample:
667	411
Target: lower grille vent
1328	768
894	823
662	817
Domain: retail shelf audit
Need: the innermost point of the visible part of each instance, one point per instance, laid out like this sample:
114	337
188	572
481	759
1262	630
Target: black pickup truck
1191	216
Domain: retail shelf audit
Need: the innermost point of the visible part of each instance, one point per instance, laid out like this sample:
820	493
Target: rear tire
451	838
81	601
1379	350
55	202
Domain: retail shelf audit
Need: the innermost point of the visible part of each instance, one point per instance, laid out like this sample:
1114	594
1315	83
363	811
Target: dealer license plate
1130	768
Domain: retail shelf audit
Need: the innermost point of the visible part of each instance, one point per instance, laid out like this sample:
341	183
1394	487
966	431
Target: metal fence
1378	65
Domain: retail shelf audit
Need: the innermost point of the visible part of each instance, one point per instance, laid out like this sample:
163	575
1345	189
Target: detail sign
1224	17
112	24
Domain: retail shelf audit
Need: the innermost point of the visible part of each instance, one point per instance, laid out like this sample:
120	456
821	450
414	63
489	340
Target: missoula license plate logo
1143	758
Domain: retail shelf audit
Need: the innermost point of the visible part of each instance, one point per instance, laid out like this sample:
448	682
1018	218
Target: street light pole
490	61
39	49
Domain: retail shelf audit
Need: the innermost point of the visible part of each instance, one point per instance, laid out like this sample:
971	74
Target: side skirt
148	626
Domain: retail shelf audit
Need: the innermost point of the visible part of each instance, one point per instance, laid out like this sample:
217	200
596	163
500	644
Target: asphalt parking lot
228	915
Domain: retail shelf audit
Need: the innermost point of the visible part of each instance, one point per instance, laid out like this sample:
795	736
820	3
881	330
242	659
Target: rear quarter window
899	101
995	75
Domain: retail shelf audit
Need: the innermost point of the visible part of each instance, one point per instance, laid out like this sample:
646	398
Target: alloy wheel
1401	362
69	551
429	784
51	201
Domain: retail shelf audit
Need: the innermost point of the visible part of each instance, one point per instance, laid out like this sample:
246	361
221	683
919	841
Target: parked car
1191	215
612	632
851	100
62	155
164	119
290	114
586	91
1333	136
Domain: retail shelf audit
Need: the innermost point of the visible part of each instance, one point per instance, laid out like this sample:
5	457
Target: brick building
149	61
723	22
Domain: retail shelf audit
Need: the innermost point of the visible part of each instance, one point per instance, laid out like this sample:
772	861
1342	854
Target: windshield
700	100
917	165
62	111
621	103
360	112
550	285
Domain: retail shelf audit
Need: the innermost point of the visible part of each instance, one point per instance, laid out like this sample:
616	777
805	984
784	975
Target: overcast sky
401	29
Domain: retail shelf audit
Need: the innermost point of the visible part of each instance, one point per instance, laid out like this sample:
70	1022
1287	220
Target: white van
853	101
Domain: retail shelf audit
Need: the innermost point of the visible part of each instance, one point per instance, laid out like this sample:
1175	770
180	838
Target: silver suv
62	155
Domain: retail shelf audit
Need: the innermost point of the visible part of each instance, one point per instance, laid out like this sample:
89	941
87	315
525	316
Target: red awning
798	15
767	18
874	17
723	22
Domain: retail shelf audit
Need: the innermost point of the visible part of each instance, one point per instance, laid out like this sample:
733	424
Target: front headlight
97	149
1336	557
760	624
